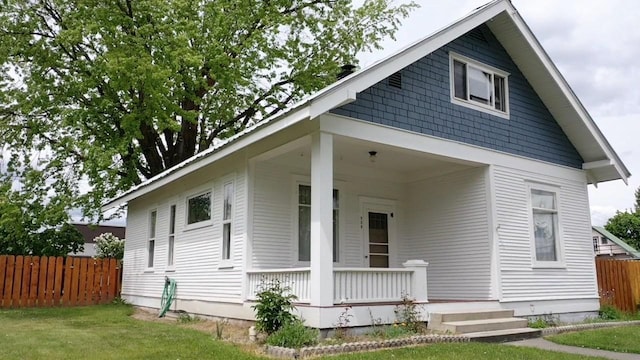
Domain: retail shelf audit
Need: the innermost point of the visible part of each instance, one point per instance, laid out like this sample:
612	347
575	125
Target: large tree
112	92
626	225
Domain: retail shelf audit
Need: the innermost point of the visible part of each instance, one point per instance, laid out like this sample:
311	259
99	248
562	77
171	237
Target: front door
377	226
378	239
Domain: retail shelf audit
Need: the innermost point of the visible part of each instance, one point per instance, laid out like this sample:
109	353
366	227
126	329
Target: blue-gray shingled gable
423	105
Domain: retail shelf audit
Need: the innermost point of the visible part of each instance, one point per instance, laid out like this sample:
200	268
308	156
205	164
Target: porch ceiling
352	155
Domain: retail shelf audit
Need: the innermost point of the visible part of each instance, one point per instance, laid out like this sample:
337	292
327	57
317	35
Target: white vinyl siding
520	278
449	228
197	254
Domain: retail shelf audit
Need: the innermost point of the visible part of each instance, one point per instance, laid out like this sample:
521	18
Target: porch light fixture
372	155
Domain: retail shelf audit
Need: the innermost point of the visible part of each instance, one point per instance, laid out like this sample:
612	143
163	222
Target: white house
455	171
605	244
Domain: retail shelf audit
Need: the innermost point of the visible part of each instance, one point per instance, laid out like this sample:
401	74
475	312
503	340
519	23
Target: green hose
168	294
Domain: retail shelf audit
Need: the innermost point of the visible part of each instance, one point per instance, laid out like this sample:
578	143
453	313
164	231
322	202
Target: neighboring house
90	232
466	150
605	244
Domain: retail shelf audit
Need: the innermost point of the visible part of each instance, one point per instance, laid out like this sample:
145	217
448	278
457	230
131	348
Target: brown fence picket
33	285
17	282
42	280
97	280
3	268
104	291
90	269
51	277
58	285
8	281
67	278
82	285
26	281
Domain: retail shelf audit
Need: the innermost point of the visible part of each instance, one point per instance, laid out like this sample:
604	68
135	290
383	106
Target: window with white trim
172	236
544	209
304	223
227	218
151	242
479	86
199	208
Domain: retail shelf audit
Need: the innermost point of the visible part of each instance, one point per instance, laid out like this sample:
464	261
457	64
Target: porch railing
350	285
297	279
357	285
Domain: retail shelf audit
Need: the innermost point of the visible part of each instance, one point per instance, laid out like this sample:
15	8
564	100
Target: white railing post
418	279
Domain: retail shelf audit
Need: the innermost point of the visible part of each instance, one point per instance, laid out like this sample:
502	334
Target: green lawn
620	339
108	332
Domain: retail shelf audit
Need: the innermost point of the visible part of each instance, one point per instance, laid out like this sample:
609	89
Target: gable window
544	207
199	208
151	242
479	86
304	223
172	236
226	221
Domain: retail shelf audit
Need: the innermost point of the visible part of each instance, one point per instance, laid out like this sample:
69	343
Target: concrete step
505	335
448	316
470	326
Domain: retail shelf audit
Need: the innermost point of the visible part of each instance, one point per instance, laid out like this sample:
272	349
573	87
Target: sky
595	45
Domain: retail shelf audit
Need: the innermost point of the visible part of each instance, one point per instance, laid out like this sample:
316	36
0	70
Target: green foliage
113	92
185	318
408	314
544	321
626	226
273	306
109	246
610	312
294	335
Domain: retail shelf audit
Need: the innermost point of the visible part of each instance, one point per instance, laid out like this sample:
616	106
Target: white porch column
321	276
418	279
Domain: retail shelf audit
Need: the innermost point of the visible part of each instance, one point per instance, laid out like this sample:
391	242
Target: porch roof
600	160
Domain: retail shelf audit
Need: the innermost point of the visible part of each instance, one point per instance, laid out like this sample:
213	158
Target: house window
604	240
479	86
199	208
304	223
545	224
172	235
151	243
596	243
226	221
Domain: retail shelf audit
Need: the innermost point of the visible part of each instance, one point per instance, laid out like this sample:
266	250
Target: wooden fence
32	281
619	283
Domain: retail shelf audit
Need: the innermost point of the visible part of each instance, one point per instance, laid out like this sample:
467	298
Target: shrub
294	335
274	306
108	245
391	331
408	314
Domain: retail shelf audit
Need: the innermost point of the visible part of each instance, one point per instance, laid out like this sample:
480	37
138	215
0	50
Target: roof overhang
600	160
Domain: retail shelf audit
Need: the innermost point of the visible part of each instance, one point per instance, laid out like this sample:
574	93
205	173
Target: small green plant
408	314
220	325
391	331
341	328
609	312
543	321
119	301
185	318
294	335
274	306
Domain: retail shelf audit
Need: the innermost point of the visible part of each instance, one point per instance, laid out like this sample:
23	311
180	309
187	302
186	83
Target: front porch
344	221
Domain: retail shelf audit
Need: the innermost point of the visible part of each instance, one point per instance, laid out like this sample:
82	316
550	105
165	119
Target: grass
109	332
476	351
620	339
103	332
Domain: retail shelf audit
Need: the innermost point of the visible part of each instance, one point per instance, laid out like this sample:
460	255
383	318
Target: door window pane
379	261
